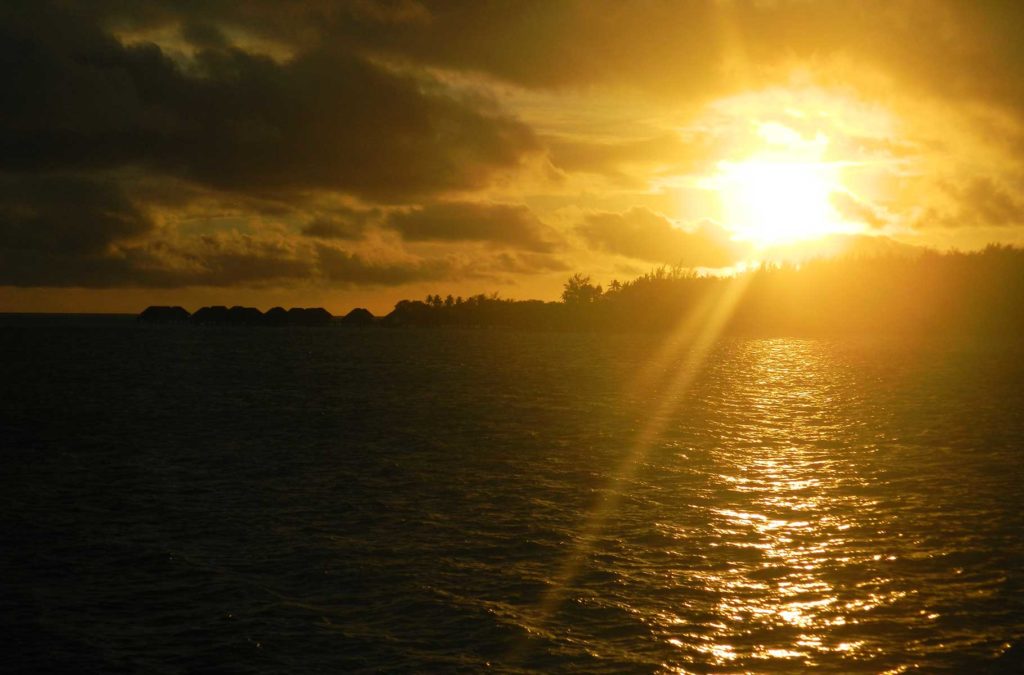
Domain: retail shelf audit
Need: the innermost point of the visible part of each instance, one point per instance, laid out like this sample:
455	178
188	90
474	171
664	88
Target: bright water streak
294	500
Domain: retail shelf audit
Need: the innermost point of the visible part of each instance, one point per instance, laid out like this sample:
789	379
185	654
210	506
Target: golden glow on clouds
790	160
174	44
746	126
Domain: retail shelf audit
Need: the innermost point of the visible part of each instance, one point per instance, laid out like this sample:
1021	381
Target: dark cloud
88	270
72	214
346	224
199	261
217	261
852	208
692	49
695	50
247	116
527	262
333	228
75	97
509	224
645	235
347	269
540	43
668	153
78	103
204	35
976	202
991	202
241	260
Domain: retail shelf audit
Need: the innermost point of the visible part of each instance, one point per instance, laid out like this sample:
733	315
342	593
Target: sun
776	202
782	195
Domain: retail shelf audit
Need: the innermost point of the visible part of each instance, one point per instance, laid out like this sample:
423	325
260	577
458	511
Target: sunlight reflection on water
794	529
408	500
783	490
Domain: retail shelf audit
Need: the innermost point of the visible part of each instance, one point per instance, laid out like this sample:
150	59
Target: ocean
188	499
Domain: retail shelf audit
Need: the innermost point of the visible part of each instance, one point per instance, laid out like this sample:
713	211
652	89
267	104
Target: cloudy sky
356	153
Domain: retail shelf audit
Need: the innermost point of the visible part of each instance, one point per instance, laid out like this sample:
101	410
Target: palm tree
579	290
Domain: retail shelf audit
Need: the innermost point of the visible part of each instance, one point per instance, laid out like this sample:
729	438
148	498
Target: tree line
971	292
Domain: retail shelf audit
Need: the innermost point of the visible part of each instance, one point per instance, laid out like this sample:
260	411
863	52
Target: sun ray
689	344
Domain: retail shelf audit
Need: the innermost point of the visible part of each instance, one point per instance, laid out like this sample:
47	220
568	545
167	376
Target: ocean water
231	500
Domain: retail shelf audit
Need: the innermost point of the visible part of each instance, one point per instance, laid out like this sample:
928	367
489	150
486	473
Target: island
220	315
929	293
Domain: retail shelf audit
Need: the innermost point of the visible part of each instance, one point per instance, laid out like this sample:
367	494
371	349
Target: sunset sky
355	153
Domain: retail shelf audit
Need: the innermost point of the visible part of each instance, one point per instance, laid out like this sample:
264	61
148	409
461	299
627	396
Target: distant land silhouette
238	316
977	292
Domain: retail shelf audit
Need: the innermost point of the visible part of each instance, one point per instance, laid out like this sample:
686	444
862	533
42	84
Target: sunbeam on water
274	501
805	553
786	506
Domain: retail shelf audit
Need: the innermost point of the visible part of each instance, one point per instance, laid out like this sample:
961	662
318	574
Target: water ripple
350	500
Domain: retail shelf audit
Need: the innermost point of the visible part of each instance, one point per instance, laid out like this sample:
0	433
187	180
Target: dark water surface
320	500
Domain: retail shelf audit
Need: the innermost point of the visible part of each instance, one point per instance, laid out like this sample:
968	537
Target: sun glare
775	202
782	195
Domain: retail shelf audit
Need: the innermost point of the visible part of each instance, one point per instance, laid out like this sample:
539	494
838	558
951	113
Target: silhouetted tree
579	290
928	292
